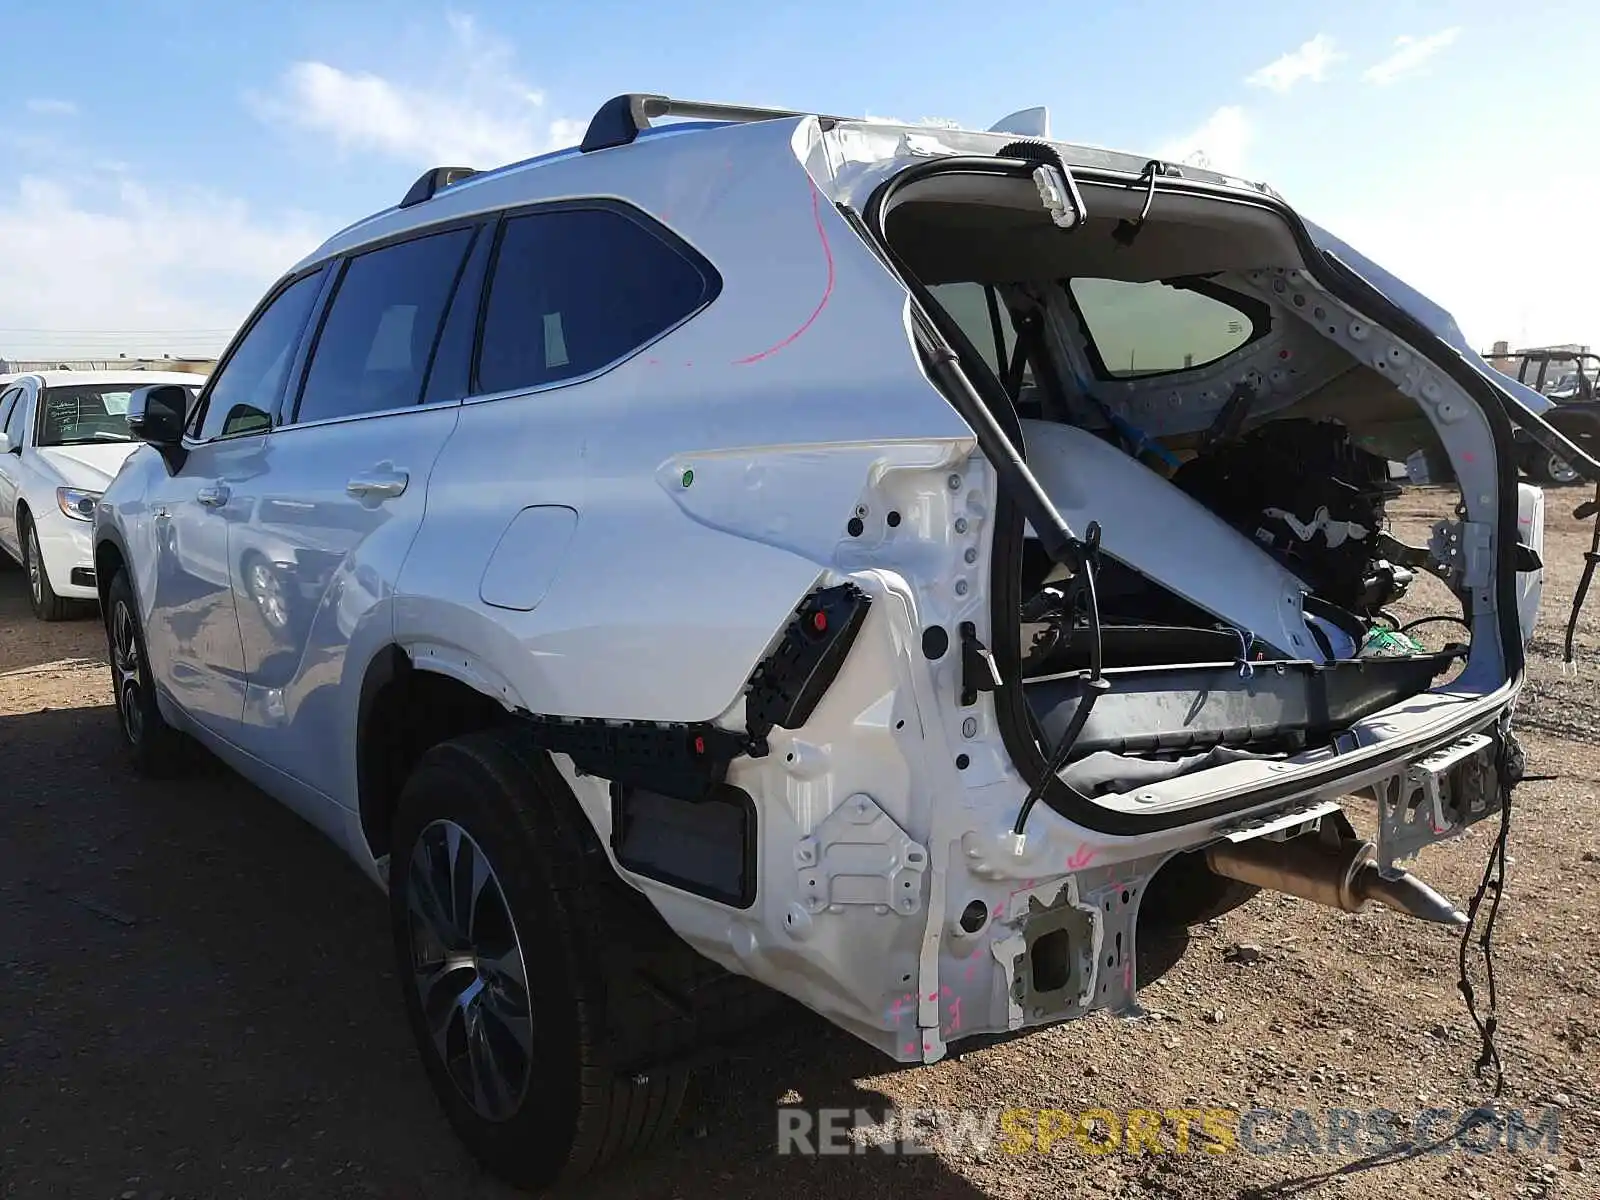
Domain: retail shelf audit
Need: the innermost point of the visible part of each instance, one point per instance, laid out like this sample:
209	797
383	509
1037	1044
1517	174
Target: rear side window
381	327
246	389
1152	328
574	290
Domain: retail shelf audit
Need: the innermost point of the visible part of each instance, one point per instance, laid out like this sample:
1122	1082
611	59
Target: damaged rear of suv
956	544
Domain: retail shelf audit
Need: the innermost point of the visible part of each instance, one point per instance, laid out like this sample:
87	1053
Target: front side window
575	290
14	419
1152	328
375	344
246	388
7	400
78	414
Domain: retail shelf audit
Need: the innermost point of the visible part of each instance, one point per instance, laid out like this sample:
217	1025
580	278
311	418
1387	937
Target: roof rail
435	181
622	118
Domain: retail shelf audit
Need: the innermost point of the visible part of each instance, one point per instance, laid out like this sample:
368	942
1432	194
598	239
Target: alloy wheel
468	969
1560	471
35	569
125	670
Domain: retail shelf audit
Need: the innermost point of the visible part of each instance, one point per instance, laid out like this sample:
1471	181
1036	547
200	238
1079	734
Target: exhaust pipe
1344	875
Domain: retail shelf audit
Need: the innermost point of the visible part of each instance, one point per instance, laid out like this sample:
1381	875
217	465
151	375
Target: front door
192	633
193	636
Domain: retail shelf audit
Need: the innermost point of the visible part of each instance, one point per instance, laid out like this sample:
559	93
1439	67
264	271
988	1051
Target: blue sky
166	159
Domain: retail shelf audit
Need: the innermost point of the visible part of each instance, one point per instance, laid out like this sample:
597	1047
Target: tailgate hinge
1466	550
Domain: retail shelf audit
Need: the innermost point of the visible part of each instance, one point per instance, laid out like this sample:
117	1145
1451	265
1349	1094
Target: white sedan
63	437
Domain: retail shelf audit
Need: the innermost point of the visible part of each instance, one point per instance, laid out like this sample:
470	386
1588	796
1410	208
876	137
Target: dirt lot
195	998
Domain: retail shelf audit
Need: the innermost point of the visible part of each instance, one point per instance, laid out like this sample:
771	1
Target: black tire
569	1111
46	605
1186	892
156	749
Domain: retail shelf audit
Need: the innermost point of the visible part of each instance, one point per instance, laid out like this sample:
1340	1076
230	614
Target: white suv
865	560
63	436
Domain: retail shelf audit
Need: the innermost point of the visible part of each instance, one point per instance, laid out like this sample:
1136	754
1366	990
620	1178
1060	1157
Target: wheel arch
109	558
410	700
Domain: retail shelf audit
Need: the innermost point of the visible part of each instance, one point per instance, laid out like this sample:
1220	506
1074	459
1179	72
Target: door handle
213	497
378	486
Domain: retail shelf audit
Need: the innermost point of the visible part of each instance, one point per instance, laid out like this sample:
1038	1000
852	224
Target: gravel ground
196	1000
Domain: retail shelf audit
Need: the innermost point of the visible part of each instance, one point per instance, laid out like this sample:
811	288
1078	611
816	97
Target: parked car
63	436
884	564
1576	411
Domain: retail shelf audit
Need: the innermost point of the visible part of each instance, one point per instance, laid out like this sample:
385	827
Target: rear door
326	521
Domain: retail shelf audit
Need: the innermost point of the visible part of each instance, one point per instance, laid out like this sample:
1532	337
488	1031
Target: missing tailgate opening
1242	439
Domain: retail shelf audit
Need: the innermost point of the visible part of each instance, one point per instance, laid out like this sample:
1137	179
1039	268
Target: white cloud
1221	143
1310	62
46	106
1410	53
1475	253
483	114
104	255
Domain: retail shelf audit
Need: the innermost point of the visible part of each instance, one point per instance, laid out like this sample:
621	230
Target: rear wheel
494	906
156	749
47	606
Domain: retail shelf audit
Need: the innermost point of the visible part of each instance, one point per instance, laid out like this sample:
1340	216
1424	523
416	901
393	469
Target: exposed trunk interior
1237	459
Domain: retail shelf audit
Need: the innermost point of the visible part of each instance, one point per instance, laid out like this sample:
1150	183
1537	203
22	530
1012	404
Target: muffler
1342	875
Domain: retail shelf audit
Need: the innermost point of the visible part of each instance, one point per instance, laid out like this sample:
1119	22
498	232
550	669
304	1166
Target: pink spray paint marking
909	1048
827	289
972	969
955	1015
1080	858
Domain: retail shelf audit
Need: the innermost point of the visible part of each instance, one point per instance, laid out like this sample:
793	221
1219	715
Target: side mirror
156	414
5	443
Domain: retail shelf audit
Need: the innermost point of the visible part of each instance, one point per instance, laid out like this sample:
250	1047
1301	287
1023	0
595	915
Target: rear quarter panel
783	398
